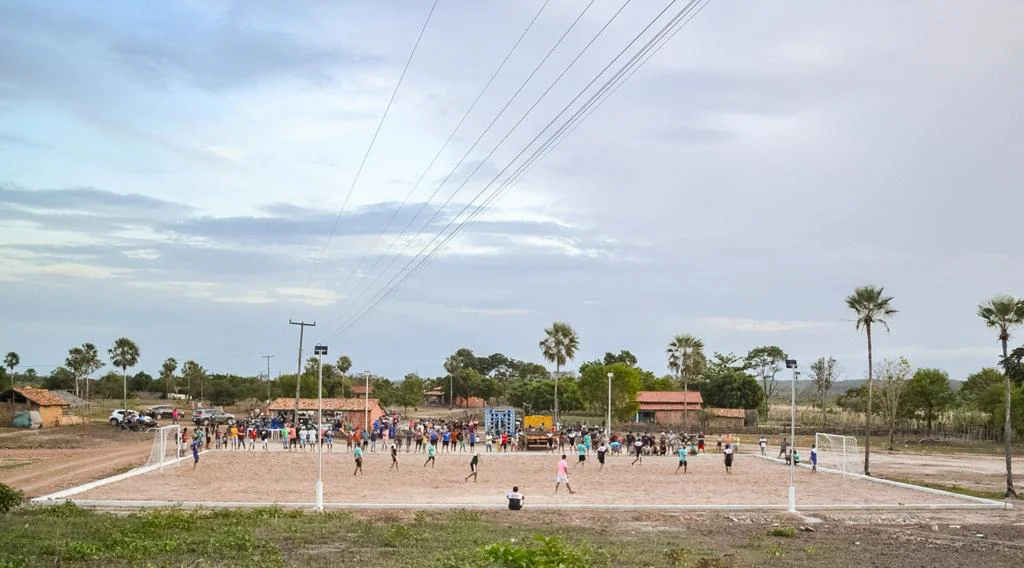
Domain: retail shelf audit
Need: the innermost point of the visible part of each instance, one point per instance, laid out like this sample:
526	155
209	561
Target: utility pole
298	373
268	358
791	364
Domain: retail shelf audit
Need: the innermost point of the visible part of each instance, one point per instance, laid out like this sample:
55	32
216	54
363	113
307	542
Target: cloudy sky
184	173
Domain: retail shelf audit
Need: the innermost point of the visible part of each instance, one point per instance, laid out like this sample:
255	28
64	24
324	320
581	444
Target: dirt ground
42	461
226	475
987	473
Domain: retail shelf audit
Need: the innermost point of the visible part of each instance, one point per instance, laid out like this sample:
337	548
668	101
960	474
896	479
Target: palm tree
685	359
871	307
167	373
559	346
1002	313
124	355
11	361
344	364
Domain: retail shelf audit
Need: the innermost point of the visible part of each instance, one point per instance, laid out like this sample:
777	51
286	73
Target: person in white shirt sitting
515	499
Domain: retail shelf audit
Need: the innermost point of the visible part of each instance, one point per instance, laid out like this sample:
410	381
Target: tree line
724	380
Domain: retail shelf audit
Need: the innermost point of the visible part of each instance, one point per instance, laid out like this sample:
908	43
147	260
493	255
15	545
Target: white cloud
743	324
226	152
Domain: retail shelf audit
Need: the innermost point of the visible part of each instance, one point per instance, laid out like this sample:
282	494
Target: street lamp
320	351
686	389
608	424
366	395
791	364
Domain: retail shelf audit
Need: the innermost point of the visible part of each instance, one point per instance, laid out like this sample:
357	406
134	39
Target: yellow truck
538	422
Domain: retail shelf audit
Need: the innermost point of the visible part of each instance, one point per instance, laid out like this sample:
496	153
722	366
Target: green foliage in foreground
9	498
68	536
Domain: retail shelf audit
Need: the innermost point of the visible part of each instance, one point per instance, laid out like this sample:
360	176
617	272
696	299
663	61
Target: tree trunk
686	401
892	436
1007	430
867	438
557	368
124	386
824	404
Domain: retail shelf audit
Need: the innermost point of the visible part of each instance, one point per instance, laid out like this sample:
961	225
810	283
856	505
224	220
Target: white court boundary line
980	502
975	503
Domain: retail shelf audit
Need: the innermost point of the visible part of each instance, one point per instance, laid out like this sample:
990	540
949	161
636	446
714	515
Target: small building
434	396
50	407
668	407
362	390
729	419
346	409
470	402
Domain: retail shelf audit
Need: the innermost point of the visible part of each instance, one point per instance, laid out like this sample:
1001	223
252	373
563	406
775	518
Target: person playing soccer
581	451
394	457
638	445
358	454
700	442
601	451
682	459
783	447
431	454
588	441
196	444
473	464
814	458
728	459
763	443
563	475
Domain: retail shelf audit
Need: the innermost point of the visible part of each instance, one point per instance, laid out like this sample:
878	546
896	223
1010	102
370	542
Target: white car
117	417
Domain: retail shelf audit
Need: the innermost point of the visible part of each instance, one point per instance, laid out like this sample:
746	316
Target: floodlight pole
608	425
791	364
268	358
366	410
320	351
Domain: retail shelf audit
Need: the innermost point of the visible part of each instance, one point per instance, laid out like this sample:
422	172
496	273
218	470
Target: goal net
838	452
166	446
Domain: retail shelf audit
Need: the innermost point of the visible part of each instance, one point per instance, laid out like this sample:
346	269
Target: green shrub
9	498
551	553
787	532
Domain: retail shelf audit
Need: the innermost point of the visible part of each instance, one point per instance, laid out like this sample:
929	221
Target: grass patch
66	535
785	532
994	495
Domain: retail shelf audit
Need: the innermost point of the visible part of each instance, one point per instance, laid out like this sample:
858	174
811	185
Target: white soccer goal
166	446
838	452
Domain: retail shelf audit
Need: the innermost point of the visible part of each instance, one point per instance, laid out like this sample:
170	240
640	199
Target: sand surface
277	476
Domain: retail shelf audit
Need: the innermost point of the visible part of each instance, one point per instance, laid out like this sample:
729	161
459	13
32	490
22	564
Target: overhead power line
654	44
373	140
360	288
437	155
498	145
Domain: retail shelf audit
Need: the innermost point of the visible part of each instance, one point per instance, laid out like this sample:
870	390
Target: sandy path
53	470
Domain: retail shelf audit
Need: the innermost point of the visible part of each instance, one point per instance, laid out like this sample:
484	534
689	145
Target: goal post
838	452
166	446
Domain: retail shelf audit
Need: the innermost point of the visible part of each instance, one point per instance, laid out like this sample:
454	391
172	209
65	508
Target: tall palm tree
124	354
167	373
1002	313
559	346
686	359
11	360
871	306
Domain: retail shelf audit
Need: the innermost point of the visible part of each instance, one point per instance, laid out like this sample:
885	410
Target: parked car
131	419
204	416
160	411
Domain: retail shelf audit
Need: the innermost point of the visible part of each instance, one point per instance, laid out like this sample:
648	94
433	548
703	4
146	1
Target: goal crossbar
167	448
838	452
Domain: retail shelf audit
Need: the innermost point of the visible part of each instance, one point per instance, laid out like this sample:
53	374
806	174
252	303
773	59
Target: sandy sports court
280	477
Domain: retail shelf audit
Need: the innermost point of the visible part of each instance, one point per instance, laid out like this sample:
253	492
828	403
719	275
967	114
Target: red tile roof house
667	407
348	409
